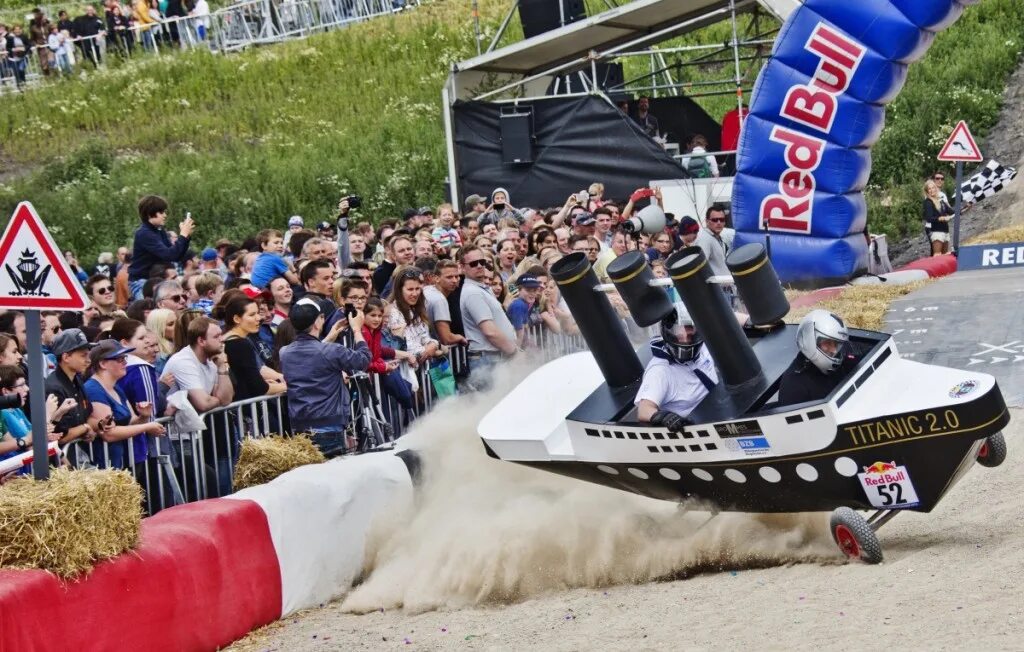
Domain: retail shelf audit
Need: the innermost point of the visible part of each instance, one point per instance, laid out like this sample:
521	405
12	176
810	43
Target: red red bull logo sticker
888	486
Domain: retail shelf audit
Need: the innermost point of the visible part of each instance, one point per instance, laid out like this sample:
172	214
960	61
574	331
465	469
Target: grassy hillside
245	140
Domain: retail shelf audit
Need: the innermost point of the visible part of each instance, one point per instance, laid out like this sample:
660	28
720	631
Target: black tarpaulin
579	140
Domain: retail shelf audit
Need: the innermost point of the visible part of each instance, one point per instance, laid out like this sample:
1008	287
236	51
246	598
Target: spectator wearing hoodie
152	244
500	208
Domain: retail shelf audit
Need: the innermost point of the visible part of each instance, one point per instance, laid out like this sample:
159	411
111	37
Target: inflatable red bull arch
804	156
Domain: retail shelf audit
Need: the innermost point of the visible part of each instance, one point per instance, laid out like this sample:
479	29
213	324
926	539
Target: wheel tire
854	536
993	451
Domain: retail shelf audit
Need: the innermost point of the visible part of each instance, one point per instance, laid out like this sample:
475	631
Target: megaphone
650	220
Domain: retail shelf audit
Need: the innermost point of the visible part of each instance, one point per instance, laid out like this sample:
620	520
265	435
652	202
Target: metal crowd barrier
239	26
186	466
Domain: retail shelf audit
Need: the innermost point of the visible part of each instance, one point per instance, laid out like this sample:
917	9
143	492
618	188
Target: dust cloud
485	531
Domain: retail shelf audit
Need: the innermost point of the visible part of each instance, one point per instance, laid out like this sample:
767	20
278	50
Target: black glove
669	420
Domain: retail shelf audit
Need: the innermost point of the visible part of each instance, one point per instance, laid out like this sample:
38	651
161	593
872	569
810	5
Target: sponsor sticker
963	388
888	486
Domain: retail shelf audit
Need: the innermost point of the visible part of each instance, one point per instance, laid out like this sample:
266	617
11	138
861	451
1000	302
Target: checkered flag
988	182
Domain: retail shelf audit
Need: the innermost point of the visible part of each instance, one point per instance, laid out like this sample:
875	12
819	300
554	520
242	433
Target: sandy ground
950	580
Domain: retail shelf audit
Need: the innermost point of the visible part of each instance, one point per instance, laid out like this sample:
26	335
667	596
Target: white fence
242	25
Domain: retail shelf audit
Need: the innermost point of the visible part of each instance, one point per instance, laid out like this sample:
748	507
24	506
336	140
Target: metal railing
239	26
184	466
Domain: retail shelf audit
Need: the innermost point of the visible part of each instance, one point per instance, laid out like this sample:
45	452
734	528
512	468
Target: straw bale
265	458
861	306
67	523
999	236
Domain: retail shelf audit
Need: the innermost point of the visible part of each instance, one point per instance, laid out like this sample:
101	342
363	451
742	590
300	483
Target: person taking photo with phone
153	245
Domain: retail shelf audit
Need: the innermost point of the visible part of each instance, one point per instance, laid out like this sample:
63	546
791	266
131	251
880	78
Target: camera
354	201
10	401
582	197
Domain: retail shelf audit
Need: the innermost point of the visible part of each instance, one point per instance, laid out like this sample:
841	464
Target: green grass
243	141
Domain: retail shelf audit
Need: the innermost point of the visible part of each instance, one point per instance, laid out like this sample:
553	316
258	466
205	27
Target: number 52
893	498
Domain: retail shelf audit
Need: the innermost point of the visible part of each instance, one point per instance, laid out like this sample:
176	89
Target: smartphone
188	215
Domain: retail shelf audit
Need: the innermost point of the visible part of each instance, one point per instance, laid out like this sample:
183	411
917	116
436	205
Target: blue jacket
152	245
317	397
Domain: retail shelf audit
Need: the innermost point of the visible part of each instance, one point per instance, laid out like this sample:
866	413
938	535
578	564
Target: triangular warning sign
33	273
961	146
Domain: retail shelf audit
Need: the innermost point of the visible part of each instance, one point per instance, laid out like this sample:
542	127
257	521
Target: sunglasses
939	177
119	359
716	219
177	298
55	329
106	290
412	274
480	262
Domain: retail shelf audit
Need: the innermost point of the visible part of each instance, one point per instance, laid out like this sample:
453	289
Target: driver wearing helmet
823	360
679	375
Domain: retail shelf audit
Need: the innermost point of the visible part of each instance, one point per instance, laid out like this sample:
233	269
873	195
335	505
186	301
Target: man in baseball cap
475	205
318	401
584	224
71	349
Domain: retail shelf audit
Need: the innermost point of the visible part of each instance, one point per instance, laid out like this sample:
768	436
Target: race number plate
888	486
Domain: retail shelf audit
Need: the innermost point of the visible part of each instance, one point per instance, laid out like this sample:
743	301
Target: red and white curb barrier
207	573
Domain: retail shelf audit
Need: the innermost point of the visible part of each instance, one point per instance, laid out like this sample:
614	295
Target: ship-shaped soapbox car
894	435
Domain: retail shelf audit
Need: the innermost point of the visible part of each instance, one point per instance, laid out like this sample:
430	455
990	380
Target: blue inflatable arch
804	155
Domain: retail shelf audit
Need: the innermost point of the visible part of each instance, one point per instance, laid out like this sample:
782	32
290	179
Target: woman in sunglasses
113	416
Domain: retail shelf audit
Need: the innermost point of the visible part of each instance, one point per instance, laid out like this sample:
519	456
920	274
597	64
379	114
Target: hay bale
67	523
265	458
861	306
999	236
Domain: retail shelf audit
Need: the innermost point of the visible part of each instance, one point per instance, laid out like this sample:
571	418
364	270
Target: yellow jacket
141	12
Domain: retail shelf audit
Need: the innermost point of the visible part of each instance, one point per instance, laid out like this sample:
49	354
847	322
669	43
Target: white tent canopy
635	25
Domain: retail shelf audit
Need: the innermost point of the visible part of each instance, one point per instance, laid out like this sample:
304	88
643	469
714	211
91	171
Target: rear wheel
854	536
993	451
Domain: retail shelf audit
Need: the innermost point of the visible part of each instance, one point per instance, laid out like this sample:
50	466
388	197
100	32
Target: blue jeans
330	441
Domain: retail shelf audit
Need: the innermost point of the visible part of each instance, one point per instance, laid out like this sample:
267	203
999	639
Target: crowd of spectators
59	44
173	327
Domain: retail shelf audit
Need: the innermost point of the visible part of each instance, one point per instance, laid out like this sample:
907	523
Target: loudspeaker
516	125
539	16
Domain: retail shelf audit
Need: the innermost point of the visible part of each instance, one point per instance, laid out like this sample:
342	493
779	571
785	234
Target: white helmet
821	327
673	332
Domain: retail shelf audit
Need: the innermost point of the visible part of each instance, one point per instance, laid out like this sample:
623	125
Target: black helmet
673	332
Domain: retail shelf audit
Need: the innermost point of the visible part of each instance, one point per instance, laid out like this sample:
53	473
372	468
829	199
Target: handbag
442	378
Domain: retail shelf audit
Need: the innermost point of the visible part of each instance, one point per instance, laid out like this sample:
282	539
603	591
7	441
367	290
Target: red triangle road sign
33	272
961	146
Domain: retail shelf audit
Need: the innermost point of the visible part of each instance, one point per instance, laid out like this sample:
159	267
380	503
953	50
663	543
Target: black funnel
711	314
757	284
632	277
597	321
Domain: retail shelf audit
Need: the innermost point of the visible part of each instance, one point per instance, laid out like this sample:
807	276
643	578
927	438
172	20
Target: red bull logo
883	473
814	106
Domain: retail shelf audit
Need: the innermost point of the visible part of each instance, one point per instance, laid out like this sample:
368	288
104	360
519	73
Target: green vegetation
243	141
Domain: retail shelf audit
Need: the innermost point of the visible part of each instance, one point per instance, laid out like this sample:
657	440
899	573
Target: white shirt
714	251
189	373
673	386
